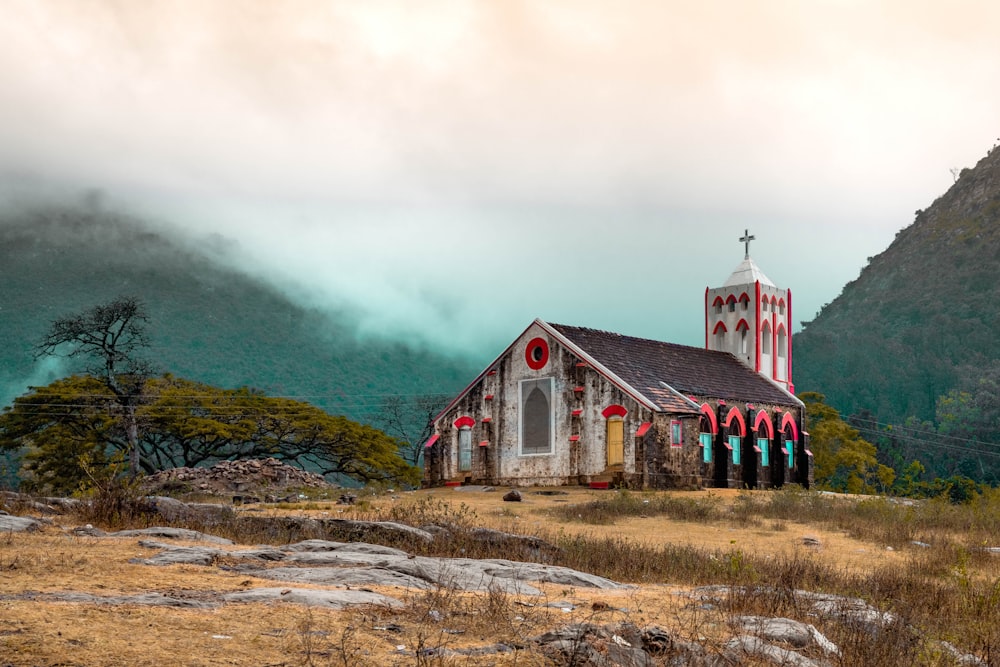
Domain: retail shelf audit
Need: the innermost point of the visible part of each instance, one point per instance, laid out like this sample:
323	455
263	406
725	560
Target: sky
452	169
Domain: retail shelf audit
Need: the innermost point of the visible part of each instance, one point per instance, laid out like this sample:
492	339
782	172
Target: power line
934	443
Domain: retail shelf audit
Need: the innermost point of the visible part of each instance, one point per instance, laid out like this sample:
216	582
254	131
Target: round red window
537	353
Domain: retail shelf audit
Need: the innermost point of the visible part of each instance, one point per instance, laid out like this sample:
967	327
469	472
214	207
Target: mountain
208	322
922	318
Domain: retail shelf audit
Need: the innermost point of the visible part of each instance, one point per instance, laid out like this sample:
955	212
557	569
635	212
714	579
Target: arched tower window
719	337
766	363
744	345
782	354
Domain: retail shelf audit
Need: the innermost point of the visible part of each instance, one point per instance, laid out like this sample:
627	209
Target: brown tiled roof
645	364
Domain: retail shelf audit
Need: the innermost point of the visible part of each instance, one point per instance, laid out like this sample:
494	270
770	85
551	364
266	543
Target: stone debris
248	477
620	644
512	496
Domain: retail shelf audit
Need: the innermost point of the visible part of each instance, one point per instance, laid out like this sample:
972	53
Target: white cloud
457	168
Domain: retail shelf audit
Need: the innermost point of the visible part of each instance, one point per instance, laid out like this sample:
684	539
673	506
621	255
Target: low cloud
455	169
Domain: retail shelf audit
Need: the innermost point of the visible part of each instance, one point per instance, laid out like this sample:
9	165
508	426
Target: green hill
921	320
207	322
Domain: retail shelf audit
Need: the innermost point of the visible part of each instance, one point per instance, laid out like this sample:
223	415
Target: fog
453	169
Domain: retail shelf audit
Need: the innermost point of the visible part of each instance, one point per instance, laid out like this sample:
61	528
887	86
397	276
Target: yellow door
616	442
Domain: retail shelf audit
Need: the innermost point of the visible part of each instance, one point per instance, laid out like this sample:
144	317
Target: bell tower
751	318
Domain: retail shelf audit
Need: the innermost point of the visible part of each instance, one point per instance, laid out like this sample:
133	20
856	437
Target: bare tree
111	336
408	419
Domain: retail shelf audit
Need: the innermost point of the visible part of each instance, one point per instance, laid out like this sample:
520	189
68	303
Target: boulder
18	524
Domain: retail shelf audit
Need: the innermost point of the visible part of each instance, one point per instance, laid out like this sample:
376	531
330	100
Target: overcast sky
457	168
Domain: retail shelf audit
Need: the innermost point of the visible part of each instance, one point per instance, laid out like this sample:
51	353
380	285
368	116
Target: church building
566	405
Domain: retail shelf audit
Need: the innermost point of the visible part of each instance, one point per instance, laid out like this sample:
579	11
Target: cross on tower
746	239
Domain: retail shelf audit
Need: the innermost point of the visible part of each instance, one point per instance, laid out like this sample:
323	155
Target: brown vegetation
762	547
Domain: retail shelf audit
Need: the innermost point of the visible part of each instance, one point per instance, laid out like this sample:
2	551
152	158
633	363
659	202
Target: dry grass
950	591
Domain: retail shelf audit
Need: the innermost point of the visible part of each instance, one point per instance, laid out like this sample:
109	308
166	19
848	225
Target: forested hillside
207	322
915	341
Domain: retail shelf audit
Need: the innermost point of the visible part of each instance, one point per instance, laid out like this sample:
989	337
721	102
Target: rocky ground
603	625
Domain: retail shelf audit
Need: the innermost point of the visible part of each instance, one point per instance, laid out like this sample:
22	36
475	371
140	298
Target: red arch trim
742	324
734	414
614	410
718	301
781	328
709	414
766	326
762	417
720	325
774	301
745	297
730	299
788	421
464	421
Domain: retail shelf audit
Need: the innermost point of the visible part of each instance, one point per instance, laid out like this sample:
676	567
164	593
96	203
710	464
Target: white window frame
465	434
520	416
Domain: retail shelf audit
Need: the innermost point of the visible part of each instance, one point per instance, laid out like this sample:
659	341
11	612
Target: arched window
737	429
720	336
782	354
536	416
744	301
743	328
464	449
705	438
731	302
790	431
766	361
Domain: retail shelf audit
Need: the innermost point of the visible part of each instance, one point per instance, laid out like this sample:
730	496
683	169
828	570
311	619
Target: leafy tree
843	460
111	336
69	426
63	428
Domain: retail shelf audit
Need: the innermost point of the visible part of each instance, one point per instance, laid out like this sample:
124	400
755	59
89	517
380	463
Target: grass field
765	544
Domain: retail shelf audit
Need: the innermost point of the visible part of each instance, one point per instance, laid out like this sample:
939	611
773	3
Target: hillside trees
844	460
69	425
111	337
